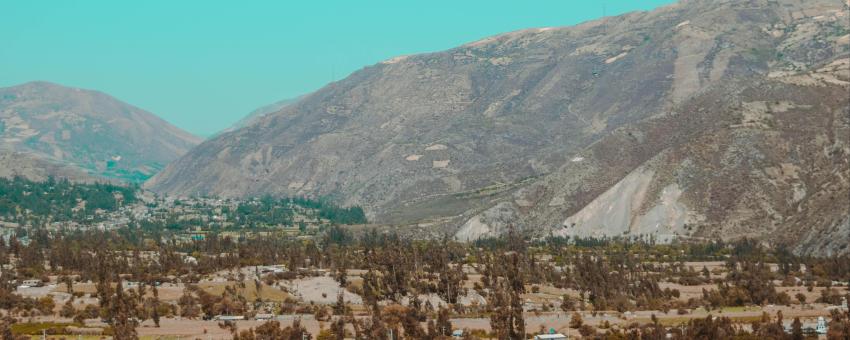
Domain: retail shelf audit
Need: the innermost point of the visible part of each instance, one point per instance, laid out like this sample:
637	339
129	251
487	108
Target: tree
839	327
46	305
69	283
376	329
797	330
340	308
121	310
576	321
271	330
444	325
801	297
567	303
188	305
410	324
587	331
507	319
68	310
338	329
154	303
709	328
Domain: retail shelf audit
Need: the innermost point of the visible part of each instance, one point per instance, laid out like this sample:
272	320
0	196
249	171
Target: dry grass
679	320
100	337
87	288
267	293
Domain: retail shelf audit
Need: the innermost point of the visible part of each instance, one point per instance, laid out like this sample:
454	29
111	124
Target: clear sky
204	64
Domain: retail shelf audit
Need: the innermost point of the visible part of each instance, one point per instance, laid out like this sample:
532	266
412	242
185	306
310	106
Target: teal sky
204	64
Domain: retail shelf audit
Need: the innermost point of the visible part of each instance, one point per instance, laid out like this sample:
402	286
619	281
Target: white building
32	283
263	316
821	327
229	317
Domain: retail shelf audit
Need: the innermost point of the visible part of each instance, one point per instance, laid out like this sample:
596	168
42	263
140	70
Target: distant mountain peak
259	113
89	130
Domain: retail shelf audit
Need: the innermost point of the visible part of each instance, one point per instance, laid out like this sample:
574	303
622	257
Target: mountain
760	158
84	132
35	168
703	119
259	113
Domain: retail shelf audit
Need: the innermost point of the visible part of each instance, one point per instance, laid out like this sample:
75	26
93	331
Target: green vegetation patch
38	328
60	199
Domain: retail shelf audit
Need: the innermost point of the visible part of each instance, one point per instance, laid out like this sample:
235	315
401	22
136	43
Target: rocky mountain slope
259	113
33	167
83	132
768	158
700	119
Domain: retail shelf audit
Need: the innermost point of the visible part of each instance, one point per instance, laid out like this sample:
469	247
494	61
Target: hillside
86	130
703	118
760	159
259	113
33	167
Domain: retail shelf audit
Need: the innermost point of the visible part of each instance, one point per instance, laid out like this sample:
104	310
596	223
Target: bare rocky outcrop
717	177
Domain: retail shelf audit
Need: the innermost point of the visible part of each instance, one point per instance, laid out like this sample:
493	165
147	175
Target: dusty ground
176	328
250	292
320	289
324	290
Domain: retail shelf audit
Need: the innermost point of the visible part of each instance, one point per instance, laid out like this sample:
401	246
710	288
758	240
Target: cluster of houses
819	327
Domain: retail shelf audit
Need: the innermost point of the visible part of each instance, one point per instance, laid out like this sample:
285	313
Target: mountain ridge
258	114
89	130
464	139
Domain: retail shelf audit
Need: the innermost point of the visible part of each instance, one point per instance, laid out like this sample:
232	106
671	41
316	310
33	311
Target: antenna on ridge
604	19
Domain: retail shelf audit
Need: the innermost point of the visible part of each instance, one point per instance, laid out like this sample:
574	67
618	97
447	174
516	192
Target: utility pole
604	19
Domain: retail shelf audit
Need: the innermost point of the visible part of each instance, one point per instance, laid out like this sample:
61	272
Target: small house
32	283
821	327
229	318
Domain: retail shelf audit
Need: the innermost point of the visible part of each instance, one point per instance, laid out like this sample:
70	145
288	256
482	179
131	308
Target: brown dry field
174	328
170	293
